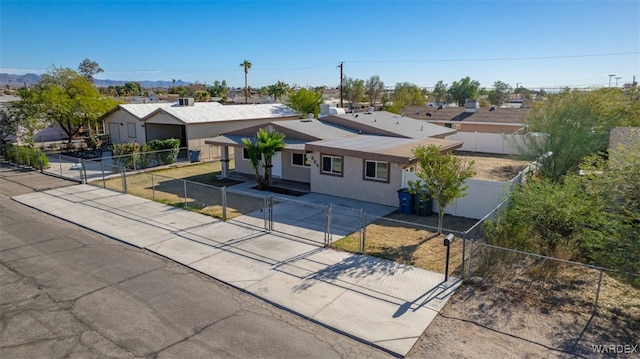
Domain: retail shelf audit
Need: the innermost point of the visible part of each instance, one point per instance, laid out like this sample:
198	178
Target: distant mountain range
29	79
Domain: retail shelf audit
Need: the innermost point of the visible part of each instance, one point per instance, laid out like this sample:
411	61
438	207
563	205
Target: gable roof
140	110
202	112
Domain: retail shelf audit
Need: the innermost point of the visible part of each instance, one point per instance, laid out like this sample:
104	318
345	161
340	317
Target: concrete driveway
383	303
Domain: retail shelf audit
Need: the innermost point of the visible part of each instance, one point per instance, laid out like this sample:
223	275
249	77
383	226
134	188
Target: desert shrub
126	154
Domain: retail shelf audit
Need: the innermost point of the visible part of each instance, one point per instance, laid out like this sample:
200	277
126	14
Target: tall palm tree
247	65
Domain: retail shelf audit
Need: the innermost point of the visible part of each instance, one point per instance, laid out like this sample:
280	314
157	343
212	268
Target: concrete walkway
380	302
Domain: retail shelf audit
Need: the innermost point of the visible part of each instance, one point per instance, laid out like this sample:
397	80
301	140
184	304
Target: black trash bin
406	202
423	207
194	156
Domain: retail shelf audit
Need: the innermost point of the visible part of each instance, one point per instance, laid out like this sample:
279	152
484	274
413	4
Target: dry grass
411	239
494	167
202	189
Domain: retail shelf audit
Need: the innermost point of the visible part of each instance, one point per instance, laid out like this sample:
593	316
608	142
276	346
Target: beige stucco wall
294	173
242	165
352	185
126	119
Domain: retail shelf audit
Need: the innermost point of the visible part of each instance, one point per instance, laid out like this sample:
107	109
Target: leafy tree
88	69
202	96
353	90
219	89
132	88
573	125
374	89
305	101
13	124
500	93
246	65
278	90
442	177
405	94
65	97
461	90
261	151
439	92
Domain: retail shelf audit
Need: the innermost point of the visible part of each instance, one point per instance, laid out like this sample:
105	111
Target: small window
245	154
301	159
447	125
375	170
332	165
131	130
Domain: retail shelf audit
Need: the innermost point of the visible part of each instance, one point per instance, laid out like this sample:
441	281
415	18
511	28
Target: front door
276	162
114	132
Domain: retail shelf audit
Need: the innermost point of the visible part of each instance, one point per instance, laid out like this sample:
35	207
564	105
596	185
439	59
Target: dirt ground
494	167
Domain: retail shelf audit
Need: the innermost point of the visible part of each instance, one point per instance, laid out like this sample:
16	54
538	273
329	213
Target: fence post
363	235
595	303
153	188
270	213
104	181
329	224
464	246
223	192
84	171
40	161
124	179
265	209
184	185
60	163
470	254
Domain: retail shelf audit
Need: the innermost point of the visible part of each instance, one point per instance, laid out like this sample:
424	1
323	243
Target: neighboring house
359	156
472	118
192	122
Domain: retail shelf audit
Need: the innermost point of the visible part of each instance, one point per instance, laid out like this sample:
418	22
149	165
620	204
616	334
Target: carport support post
225	162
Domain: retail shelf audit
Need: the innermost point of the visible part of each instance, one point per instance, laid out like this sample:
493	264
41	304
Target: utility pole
617	78
341	101
610	76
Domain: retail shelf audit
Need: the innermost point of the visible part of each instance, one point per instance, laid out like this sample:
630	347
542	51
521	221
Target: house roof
381	148
482	115
389	124
202	112
141	110
315	128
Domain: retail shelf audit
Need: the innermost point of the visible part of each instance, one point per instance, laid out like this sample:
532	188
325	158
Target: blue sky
535	43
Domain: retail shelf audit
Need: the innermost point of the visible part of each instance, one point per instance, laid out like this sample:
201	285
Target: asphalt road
69	292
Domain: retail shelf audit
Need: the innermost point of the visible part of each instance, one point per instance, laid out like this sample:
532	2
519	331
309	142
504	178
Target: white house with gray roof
359	157
191	122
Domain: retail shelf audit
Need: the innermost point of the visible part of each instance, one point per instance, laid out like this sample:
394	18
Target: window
332	165
447	125
301	159
131	130
245	154
375	170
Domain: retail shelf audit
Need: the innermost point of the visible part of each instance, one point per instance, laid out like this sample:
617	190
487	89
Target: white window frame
376	178
306	159
331	172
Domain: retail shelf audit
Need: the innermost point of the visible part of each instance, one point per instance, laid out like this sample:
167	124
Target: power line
500	58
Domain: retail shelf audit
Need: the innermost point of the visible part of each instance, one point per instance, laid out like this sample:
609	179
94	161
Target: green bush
126	154
23	155
168	148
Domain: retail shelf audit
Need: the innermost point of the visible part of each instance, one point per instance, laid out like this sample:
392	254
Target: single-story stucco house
191	122
359	156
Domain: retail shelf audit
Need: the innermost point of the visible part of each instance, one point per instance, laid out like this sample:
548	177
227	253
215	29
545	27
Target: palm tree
247	65
265	146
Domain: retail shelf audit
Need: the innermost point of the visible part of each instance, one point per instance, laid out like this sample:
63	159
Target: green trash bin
423	207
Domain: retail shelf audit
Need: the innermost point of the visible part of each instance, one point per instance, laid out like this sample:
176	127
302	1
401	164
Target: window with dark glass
301	159
332	165
376	170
